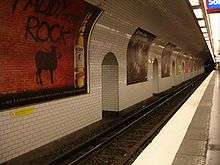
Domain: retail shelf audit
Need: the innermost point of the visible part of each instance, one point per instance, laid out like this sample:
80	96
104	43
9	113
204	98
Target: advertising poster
137	56
190	66
187	66
43	49
194	65
179	65
165	60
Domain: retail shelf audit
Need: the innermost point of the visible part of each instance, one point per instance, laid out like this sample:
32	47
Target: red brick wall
22	36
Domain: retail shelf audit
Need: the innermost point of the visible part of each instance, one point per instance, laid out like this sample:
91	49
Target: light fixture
217	58
201	23
207	38
198	13
205	34
208	43
194	2
204	29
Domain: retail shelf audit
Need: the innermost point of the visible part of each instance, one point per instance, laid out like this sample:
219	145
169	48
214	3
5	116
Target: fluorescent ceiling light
194	2
205	34
217	59
204	30
209	46
208	43
215	35
201	23
198	13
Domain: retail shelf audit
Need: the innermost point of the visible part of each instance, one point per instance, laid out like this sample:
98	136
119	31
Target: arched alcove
183	71
155	76
173	72
110	83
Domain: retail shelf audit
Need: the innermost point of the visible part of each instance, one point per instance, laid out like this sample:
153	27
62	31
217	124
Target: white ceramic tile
50	120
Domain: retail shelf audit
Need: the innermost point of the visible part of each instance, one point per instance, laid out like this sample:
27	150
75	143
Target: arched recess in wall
187	65
155	76
183	71
173	72
110	83
178	66
191	68
195	68
183	67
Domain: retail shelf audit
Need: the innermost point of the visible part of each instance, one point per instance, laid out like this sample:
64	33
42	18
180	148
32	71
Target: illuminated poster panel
187	66
213	6
190	66
179	66
137	56
43	49
165	60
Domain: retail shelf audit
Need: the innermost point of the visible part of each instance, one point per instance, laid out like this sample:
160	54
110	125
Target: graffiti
15	5
45	7
46	61
55	8
42	31
40	38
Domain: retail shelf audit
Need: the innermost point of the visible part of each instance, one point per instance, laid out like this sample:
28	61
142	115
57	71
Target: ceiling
170	20
179	25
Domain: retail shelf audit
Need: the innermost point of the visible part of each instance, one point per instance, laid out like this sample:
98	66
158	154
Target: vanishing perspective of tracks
120	144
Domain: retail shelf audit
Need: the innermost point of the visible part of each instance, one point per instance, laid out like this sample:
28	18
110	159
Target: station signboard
213	6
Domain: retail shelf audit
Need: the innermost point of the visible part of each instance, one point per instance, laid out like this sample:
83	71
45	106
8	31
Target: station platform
192	136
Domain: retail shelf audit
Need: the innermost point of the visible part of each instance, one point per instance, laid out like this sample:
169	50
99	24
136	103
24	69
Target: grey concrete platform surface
201	144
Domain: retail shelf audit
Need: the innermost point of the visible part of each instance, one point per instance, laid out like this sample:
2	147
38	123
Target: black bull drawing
46	61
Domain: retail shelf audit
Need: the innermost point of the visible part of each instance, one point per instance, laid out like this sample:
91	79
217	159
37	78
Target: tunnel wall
54	119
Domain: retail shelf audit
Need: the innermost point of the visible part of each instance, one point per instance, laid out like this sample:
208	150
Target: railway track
120	144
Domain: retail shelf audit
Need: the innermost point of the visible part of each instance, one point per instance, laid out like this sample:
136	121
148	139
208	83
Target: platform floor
192	136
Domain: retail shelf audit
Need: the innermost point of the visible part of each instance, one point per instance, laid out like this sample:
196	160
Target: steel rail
156	104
